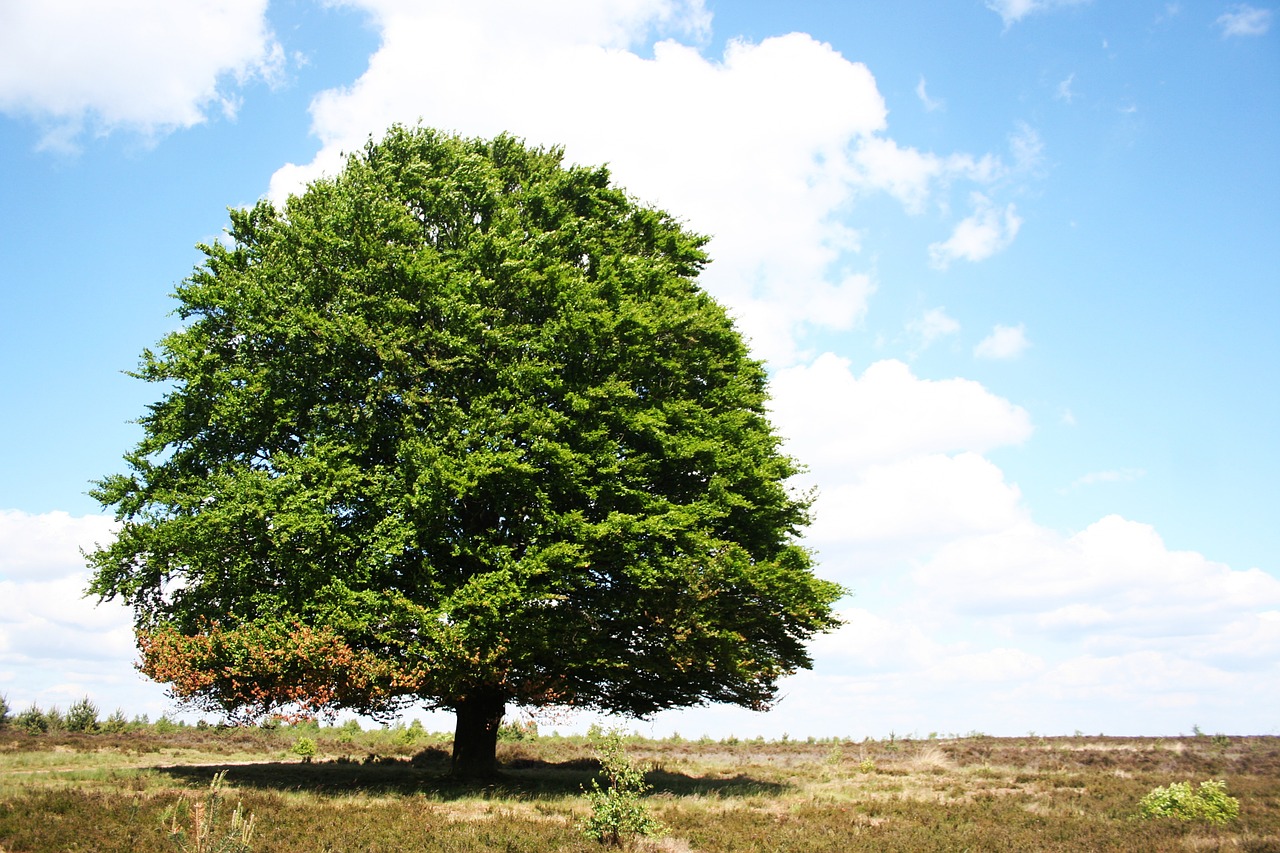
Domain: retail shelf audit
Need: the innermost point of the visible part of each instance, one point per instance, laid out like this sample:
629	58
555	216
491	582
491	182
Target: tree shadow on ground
427	774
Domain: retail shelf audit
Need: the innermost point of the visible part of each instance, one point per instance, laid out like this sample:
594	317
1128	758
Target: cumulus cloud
915	504
1106	628
1244	20
1121	567
44	547
1004	343
897	459
147	65
844	423
911	175
688	132
56	644
977	237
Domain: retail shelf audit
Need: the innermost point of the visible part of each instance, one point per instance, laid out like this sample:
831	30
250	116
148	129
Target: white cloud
977	237
677	130
1012	11
148	65
1245	20
841	423
47	546
686	132
56	643
915	504
1004	342
1120	568
910	175
1104	630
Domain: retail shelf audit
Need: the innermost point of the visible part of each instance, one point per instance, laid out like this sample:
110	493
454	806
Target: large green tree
458	427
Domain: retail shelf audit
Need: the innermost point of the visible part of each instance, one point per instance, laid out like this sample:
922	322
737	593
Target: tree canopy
458	427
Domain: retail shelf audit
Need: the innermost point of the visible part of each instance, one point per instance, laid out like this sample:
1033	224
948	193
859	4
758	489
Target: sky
1011	264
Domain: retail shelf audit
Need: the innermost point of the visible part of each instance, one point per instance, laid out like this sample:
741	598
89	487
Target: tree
458	427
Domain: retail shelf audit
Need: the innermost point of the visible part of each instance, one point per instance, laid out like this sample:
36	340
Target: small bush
1209	804
304	748
617	812
4	710
82	716
33	720
164	725
116	723
518	730
414	733
54	720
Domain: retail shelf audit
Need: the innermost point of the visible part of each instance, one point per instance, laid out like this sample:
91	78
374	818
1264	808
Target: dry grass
374	792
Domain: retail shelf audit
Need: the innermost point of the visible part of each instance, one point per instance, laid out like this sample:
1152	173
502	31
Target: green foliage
304	748
196	826
1209	803
32	720
518	730
54	719
82	716
413	733
4	710
618	812
115	723
164	725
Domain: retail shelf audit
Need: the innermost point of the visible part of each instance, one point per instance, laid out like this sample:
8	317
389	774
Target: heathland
339	788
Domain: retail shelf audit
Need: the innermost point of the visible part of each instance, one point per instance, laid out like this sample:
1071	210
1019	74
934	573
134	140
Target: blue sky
1012	265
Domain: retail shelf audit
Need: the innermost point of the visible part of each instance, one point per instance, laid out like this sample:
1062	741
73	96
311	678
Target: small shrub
415	732
115	723
54	721
203	817
4	710
867	765
82	716
33	720
304	748
618	812
518	730
1209	804
164	725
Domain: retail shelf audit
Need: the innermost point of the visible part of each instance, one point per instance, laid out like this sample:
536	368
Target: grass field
386	791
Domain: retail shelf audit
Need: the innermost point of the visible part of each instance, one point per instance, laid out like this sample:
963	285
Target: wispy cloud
1004	343
1064	92
932	325
979	236
1012	11
1245	20
1122	475
930	104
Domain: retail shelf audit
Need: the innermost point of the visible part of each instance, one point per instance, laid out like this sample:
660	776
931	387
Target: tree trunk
475	740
